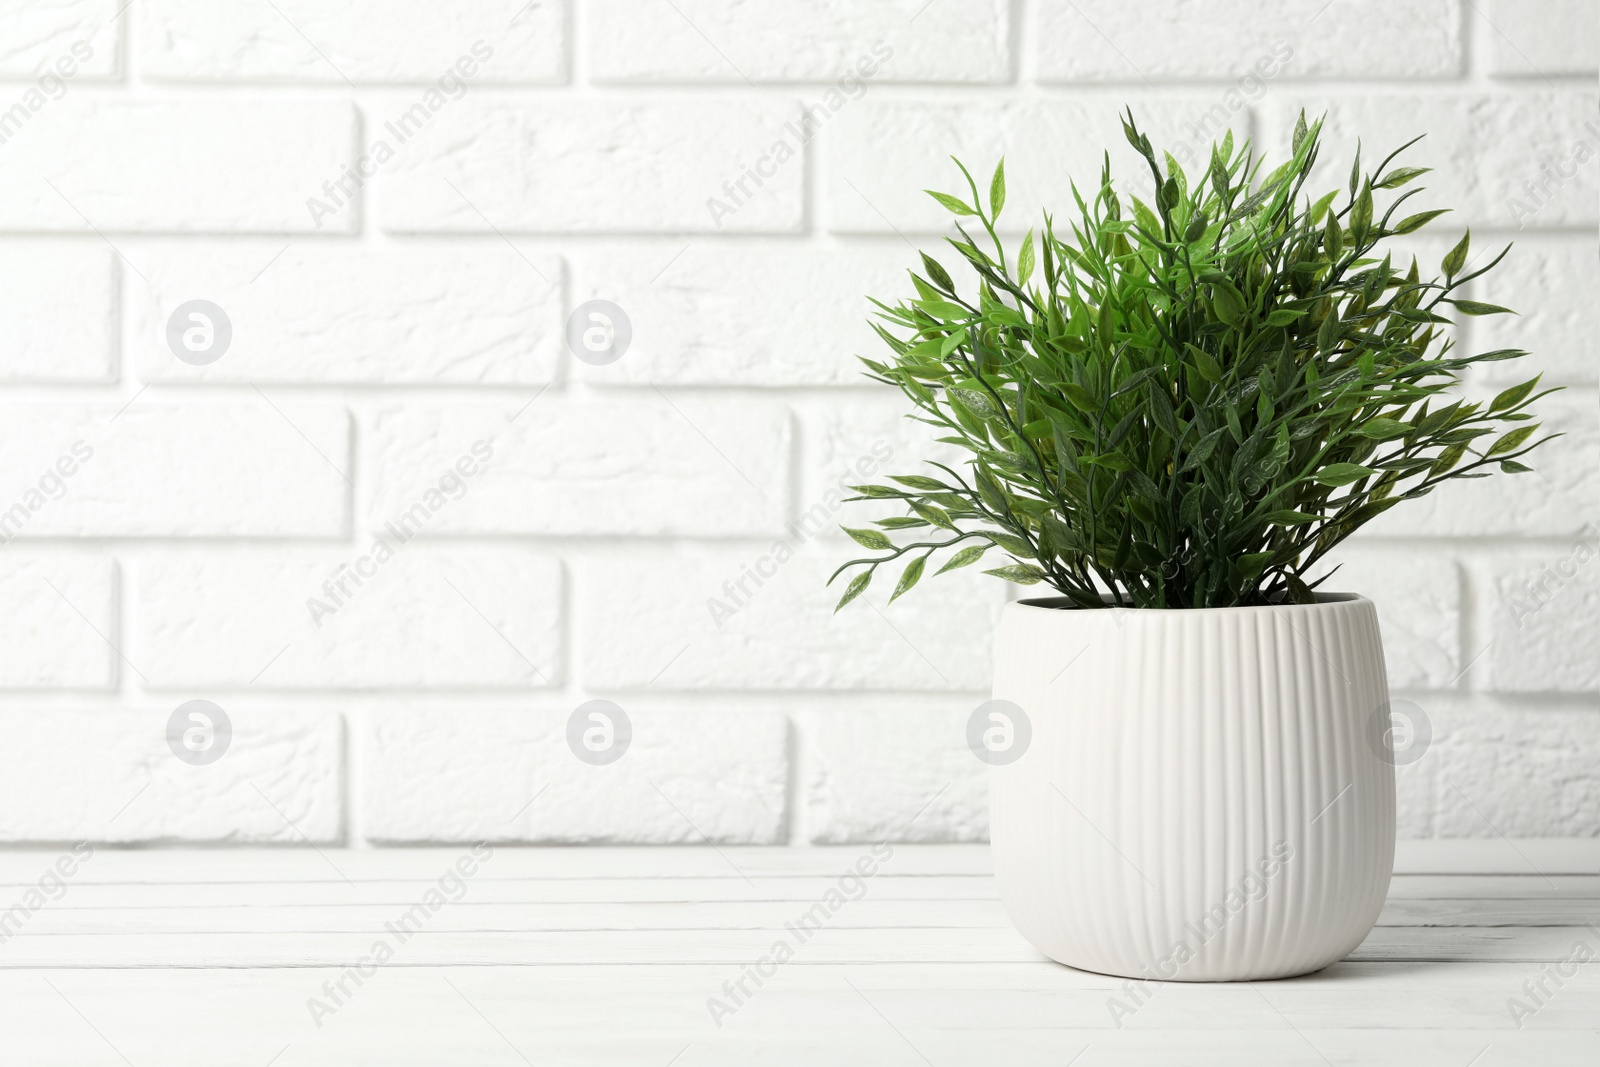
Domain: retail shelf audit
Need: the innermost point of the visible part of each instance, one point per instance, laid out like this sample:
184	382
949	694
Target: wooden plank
469	916
831	945
1490	911
1505	886
805	1015
19	867
868	912
602	956
24	867
529	891
1499	855
523	891
1465	943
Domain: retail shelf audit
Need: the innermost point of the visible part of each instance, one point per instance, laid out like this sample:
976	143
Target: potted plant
1171	415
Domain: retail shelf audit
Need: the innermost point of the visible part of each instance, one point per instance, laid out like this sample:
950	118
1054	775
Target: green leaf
1510	398
1021	573
877	492
978	403
1337	474
969	555
933	515
1511	441
997	189
1106	324
857	586
952	341
1299	133
1511	466
1333	237
1447	460
1167	197
1284	316
1400	175
1412	223
870	539
1289	517
1252	564
1012	544
950	203
1080	398
1299	592
1456	258
1382	429
900	522
943	309
1473	307
917	481
1328	332
1319	208
1225	302
938	274
1203	362
1025	261
1202	450
1361	212
909	576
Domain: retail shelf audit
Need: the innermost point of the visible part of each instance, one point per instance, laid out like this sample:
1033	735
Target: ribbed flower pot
1205	795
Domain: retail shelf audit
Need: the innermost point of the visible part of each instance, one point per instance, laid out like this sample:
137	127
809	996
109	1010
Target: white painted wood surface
610	956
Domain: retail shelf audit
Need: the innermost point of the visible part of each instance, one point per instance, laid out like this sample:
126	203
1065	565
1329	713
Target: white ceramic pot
1206	794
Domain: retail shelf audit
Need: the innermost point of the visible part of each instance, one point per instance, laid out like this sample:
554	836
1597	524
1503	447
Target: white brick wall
58	322
398	205
1087	40
370	41
535	167
320	313
189	165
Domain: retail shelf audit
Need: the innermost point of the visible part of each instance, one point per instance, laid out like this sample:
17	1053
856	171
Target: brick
1416	797
596	166
1544	623
1489	151
1096	40
183	470
862	441
1418	595
781	634
366	42
797	40
109	776
1517	772
1550	282
1554	501
650	466
471	619
882	155
892	774
57	617
175	166
434	775
1542	38
59	320
34	37
711	314
320	313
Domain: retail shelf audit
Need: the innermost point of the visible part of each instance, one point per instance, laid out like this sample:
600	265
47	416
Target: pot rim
1061	603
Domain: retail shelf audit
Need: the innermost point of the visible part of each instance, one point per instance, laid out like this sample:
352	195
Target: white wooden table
610	956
